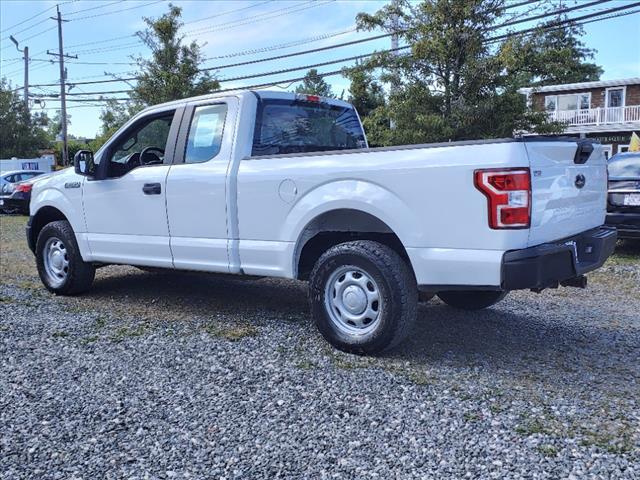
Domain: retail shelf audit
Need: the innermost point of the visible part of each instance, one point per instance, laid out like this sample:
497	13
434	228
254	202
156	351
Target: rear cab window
302	126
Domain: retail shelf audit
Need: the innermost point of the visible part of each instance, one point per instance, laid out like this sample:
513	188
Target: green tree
113	116
21	134
54	126
365	92
314	84
455	83
173	71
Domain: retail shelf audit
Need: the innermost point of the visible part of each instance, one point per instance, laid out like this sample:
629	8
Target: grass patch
306	365
617	441
533	426
547	450
123	333
471	417
232	333
88	340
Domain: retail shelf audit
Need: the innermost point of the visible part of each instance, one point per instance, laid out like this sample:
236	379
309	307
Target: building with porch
607	111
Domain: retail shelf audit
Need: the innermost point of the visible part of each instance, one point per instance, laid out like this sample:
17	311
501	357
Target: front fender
354	194
52	197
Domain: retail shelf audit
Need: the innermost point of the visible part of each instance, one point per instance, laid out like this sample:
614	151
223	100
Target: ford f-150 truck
278	184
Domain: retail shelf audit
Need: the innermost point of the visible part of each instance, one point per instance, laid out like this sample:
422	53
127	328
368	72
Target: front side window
205	133
141	145
295	126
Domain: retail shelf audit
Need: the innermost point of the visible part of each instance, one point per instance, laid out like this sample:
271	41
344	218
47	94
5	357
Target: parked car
18	200
623	205
8	179
284	185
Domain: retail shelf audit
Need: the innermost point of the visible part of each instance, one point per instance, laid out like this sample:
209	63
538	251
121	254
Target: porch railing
597	116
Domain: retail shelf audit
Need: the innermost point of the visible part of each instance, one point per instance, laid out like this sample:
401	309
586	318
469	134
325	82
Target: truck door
196	186
124	207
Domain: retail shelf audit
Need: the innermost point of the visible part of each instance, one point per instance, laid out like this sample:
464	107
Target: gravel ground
196	376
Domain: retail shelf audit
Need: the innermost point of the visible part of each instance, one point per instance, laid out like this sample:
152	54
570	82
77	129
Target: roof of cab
240	93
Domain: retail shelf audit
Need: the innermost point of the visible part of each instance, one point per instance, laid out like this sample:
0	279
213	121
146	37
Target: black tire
472	299
393	282
78	276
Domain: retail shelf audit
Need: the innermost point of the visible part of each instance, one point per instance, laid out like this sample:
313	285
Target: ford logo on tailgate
580	181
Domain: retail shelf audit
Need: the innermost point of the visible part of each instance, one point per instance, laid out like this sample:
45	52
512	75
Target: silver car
8	179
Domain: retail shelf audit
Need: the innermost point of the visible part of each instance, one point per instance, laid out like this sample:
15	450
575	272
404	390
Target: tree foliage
172	72
113	116
21	134
457	83
365	92
314	84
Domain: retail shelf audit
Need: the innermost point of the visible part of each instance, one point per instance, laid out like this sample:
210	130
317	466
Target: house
607	111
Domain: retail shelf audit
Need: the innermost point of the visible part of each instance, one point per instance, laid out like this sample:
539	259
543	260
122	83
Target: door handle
151	189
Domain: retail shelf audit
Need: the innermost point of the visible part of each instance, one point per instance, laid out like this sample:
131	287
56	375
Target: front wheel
472	299
59	262
363	297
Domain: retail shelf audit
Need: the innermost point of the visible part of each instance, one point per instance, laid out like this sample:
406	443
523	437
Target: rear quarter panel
425	195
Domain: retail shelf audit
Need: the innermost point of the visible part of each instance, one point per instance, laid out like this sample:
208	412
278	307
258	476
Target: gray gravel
191	376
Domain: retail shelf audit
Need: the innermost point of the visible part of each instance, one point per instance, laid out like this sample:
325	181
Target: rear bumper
15	202
627	224
550	264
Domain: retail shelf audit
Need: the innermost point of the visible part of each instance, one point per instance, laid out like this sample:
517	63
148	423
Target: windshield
625	166
294	126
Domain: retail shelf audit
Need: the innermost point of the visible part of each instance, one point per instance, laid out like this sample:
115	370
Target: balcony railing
597	116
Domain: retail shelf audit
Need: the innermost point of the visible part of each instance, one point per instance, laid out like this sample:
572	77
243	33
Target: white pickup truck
280	184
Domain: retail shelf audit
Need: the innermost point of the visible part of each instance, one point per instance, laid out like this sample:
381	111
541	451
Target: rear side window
294	126
205	133
625	166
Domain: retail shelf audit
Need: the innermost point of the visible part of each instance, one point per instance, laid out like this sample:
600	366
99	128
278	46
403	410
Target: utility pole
25	52
63	76
395	25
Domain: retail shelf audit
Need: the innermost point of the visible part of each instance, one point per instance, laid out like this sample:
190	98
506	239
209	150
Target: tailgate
568	188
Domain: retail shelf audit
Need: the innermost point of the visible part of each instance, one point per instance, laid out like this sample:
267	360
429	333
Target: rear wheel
363	297
59	262
472	299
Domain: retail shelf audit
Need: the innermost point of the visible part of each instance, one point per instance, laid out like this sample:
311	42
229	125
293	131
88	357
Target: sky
229	31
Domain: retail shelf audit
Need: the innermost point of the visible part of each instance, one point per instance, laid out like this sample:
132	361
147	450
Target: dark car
623	204
18	200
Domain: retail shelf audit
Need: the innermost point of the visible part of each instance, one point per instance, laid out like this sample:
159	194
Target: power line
549	26
103	14
495	27
221	26
104	5
112	39
278	57
25	21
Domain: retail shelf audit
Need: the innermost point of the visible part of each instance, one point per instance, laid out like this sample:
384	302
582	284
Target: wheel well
339	226
42	217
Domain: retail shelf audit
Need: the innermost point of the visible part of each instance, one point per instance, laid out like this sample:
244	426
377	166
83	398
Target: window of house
572	101
550	103
205	134
615	97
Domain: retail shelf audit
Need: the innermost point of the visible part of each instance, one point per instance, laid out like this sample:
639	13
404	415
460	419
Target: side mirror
83	163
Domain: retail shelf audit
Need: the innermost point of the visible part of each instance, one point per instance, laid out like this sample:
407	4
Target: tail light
23	187
508	192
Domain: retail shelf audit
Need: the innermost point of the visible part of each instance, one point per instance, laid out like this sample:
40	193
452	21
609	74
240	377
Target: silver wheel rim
353	301
56	261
